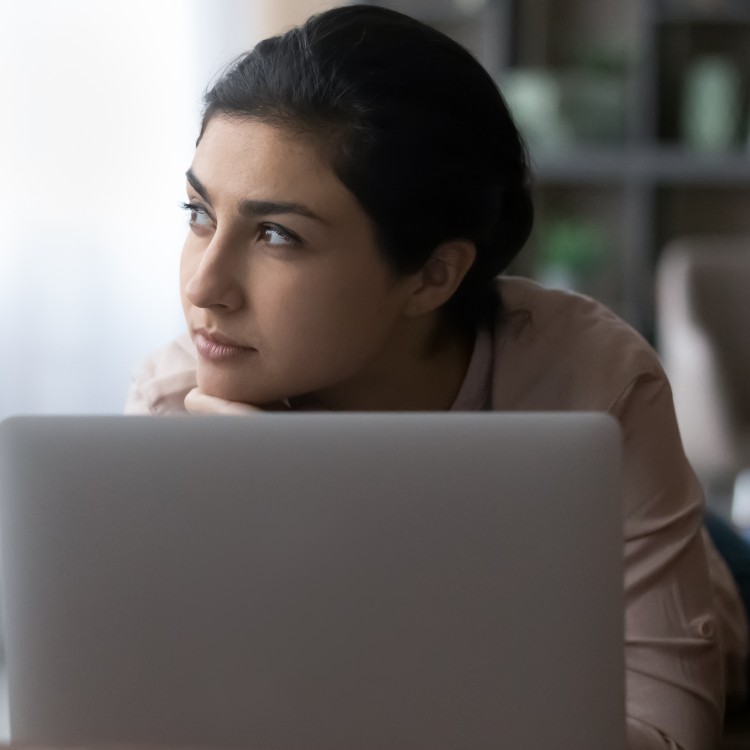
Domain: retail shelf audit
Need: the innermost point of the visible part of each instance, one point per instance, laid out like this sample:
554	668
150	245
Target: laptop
314	581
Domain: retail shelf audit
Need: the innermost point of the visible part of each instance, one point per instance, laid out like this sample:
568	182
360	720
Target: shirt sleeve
160	384
674	682
136	402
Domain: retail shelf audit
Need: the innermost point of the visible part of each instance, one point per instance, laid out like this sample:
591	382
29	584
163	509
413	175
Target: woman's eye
197	215
275	235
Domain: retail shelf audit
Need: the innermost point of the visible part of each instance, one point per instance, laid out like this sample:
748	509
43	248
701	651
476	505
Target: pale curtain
100	104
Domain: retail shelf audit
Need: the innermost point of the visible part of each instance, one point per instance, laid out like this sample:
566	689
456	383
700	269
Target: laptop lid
294	582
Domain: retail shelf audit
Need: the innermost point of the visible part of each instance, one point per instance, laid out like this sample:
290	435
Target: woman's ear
441	275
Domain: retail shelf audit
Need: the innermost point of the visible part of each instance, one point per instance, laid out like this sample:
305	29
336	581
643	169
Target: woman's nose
213	278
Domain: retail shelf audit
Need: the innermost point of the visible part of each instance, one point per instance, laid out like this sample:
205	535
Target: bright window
100	107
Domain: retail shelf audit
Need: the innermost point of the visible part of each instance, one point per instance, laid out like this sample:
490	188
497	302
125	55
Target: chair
702	326
703	322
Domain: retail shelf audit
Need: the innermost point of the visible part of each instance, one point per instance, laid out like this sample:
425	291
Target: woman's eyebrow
198	186
253	208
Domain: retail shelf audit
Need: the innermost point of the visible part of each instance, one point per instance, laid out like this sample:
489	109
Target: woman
358	185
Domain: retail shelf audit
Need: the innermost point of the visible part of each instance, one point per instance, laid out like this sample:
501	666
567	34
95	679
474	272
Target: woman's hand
198	402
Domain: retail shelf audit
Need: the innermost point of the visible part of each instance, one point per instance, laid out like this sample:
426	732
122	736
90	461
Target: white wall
98	116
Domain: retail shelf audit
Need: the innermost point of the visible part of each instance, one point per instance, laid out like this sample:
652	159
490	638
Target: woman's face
284	290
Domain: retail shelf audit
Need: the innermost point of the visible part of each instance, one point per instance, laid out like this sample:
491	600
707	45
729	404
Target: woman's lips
216	348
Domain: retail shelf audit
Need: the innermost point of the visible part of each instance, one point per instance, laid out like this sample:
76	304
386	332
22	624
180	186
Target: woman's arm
642	736
674	681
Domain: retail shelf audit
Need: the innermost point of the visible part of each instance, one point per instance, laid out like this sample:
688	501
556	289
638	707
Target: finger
198	402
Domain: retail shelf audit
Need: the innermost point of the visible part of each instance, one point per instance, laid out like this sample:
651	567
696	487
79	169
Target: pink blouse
685	630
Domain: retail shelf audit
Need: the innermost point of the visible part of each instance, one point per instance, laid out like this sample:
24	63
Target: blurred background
637	117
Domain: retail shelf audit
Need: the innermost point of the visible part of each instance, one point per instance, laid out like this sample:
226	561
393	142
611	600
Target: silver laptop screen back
347	582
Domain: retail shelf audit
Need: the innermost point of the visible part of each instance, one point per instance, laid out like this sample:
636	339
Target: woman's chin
223	386
226	387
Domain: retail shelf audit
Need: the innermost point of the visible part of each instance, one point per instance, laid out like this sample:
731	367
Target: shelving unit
648	187
663	188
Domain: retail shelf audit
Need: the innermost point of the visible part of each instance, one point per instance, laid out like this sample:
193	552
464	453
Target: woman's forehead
243	154
251	144
241	159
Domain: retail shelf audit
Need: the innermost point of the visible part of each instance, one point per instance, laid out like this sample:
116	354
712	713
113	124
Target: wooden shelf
677	13
659	165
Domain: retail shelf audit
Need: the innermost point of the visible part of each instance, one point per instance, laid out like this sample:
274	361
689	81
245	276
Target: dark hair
410	123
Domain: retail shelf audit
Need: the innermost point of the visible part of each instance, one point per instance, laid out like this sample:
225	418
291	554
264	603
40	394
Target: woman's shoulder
163	380
557	349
